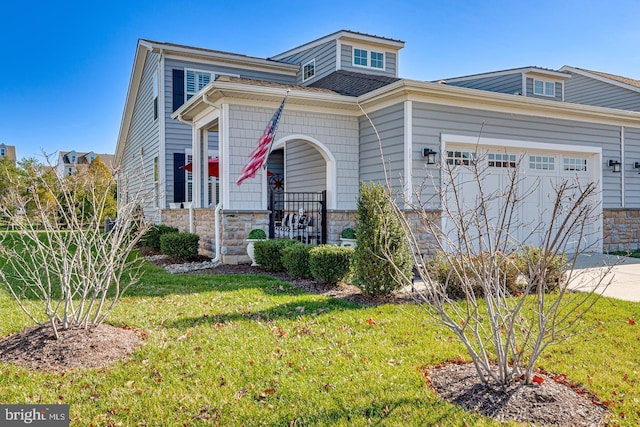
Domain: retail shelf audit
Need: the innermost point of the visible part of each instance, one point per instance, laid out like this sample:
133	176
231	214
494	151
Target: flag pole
275	131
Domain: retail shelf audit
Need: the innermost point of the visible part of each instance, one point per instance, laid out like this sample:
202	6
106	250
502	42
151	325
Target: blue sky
66	65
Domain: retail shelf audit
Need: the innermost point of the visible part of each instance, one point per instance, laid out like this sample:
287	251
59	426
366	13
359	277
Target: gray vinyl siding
558	94
390	59
390	125
339	134
430	121
178	135
306	169
509	83
325	56
142	140
632	179
584	90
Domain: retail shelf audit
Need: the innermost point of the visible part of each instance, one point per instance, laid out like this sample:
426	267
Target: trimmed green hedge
330	263
180	245
295	259
151	239
268	253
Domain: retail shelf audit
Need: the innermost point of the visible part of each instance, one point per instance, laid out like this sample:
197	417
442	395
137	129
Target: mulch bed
35	347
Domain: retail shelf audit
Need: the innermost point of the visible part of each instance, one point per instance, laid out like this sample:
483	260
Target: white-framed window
309	70
211	182
195	80
465	158
155	95
3	151
73	158
578	164
544	88
377	60
501	160
360	57
368	59
545	163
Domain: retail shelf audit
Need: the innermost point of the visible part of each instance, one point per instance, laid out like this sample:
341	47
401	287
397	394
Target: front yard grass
251	350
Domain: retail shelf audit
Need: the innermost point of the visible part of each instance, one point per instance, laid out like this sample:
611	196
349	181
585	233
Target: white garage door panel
540	175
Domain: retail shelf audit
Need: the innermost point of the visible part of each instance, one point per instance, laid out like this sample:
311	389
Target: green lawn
250	350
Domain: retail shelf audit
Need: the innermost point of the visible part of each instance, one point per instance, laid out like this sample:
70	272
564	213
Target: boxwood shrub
151	239
330	263
268	253
180	245
295	259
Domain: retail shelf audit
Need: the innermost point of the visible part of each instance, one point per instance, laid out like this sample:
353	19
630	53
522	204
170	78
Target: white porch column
197	165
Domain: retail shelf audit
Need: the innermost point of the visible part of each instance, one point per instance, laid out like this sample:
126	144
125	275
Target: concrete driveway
624	276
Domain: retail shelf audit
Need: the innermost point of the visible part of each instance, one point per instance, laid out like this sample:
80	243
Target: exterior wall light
615	164
430	155
636	165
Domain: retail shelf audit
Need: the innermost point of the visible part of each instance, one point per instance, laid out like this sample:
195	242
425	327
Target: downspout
188	123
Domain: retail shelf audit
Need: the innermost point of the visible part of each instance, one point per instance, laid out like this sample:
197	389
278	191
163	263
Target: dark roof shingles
350	83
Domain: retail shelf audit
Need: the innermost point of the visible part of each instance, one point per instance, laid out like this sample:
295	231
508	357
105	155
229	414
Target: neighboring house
8	151
69	162
186	105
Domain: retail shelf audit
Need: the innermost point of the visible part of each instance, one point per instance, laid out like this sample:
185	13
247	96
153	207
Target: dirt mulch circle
551	403
35	347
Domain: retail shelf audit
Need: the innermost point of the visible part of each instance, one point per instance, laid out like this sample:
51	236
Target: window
544	88
73	159
364	58
575	164
545	163
465	158
189	180
3	151
155	95
501	160
377	60
195	81
360	57
309	70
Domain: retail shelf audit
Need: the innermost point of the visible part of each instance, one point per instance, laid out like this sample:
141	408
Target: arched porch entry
302	187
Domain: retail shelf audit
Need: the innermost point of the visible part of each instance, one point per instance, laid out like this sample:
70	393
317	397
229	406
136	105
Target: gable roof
614	79
393	44
350	83
520	70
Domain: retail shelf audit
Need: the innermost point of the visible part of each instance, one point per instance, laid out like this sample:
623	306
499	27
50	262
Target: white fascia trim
446	138
600	78
523	70
338	55
162	126
408	150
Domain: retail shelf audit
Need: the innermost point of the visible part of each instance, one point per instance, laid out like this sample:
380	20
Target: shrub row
325	263
513	272
169	241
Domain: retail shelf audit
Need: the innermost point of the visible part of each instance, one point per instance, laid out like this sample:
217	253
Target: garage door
539	174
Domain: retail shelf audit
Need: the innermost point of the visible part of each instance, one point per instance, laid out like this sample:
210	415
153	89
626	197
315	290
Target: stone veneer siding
621	229
236	225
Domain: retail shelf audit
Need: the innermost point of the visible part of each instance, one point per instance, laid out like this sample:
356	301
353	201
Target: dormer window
74	159
544	88
369	59
309	70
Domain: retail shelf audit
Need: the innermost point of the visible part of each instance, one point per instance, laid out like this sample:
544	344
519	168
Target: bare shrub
58	263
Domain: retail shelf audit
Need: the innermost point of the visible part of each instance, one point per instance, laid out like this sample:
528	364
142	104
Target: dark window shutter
179	177
178	88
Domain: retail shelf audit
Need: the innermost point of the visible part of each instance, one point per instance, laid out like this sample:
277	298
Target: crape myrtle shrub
180	245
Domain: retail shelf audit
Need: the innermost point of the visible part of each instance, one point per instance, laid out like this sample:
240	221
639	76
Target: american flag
261	152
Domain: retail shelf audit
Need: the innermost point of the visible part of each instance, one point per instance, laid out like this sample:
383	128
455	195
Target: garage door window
545	163
575	164
498	160
460	157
